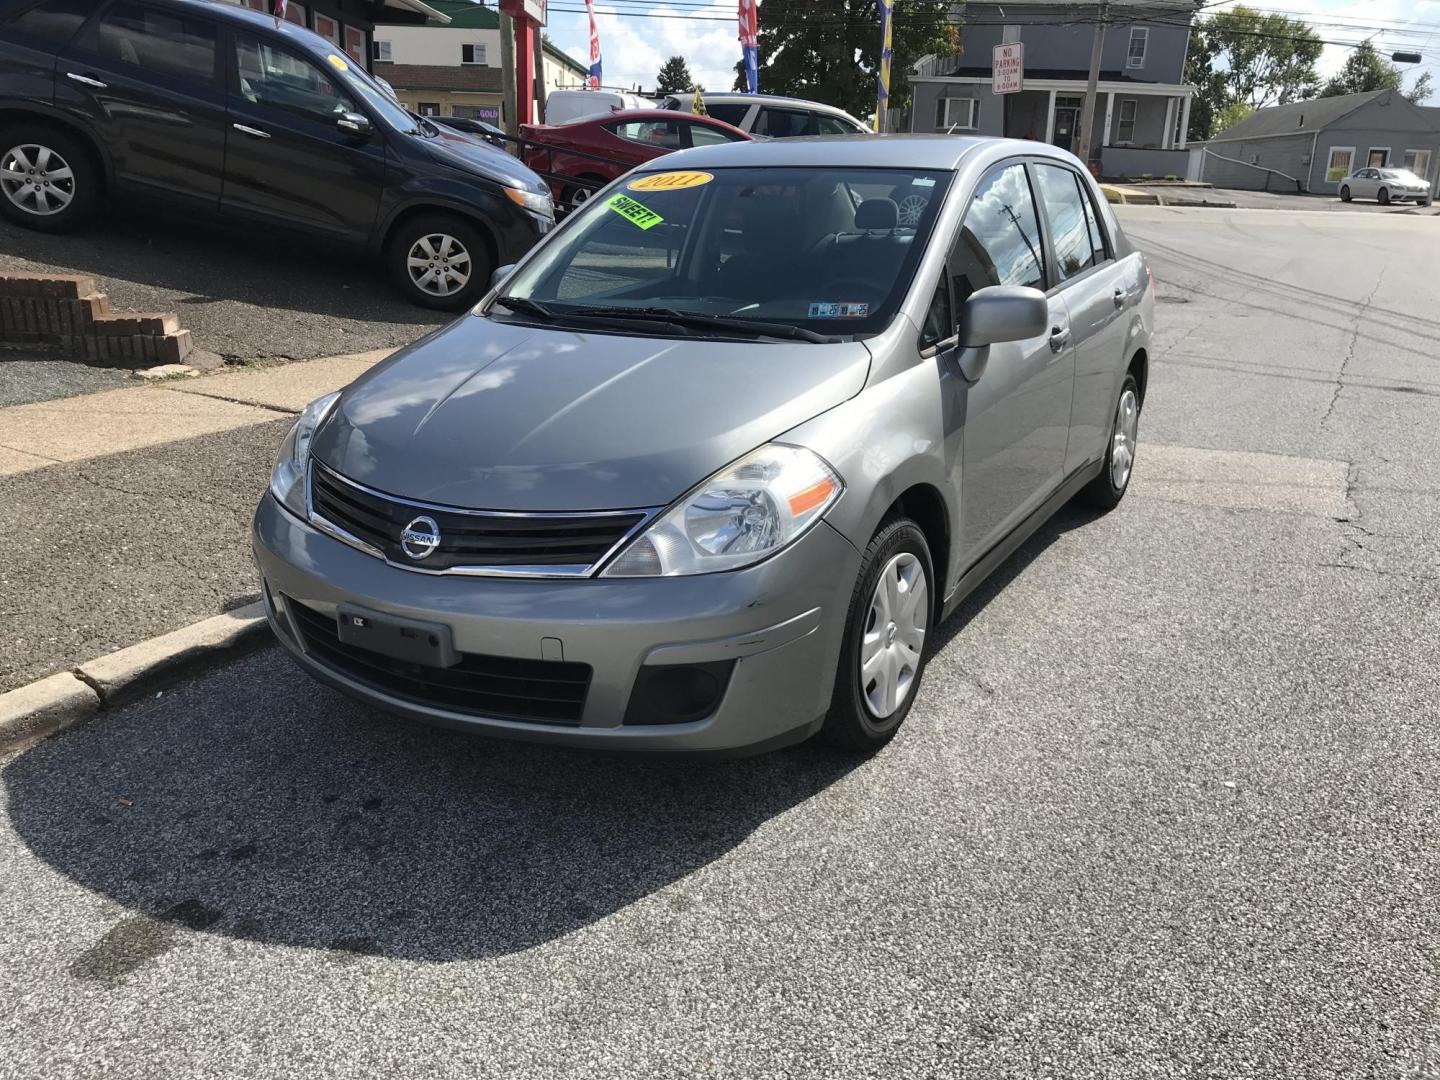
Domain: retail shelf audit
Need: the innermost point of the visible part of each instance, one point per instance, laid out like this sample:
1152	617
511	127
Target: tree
829	50
1231	115
1365	70
674	77
1240	55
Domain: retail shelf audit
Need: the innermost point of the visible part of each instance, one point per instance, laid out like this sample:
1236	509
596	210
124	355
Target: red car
625	138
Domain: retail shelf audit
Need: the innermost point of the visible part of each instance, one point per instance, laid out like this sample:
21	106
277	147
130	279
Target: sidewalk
126	513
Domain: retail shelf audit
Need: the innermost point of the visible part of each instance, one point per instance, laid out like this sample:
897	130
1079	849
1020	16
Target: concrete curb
53	704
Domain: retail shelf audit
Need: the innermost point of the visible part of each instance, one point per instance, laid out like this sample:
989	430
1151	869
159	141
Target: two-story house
1142	107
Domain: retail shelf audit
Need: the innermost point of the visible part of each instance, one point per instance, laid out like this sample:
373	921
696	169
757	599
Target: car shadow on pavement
258	804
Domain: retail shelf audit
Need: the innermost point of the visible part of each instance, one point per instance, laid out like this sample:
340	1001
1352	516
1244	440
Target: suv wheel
47	180
440	261
1107	489
882	657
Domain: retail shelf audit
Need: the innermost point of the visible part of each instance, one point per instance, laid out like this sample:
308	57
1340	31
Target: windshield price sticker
670	181
837	309
638	214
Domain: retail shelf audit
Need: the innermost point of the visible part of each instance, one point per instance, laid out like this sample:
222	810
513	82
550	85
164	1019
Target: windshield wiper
530	307
698	320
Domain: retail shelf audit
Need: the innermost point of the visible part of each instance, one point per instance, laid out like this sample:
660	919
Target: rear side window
999	241
158	41
54	20
782	123
1069	227
663	133
833	125
731	114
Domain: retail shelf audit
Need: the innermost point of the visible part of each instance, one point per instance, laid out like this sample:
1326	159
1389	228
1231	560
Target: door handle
1119	298
254	133
1059	338
85	79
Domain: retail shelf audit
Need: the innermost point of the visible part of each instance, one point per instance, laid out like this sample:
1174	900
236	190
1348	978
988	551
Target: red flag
594	79
279	9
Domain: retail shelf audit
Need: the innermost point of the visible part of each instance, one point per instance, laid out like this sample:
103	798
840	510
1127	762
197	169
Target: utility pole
508	118
1087	113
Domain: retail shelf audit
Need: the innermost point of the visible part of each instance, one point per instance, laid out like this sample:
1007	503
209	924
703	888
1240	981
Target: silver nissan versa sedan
708	467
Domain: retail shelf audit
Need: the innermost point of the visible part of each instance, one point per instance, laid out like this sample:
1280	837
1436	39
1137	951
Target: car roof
899	151
244	16
721	97
643	114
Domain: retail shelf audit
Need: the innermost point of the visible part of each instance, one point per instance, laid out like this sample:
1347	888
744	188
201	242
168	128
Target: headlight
287	482
537	202
742	514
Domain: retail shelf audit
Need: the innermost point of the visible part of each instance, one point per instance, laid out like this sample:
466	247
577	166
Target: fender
32	111
425	200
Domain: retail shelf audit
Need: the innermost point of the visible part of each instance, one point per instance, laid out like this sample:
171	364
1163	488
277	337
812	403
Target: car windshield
826	250
374	94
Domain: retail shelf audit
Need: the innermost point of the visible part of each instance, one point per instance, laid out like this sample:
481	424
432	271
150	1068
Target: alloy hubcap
1127	428
438	264
37	179
894	636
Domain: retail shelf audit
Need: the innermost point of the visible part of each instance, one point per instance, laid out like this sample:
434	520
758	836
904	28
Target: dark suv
216	108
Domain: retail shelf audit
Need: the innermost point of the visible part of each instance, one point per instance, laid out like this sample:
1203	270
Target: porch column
1109	115
1170	103
1185	122
1050	120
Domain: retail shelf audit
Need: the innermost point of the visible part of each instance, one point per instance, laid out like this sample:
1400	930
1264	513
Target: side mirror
1003	313
500	274
353	123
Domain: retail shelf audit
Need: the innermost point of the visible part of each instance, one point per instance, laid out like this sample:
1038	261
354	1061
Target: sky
634	45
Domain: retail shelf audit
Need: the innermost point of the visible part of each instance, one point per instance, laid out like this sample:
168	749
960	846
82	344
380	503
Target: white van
562	106
771	115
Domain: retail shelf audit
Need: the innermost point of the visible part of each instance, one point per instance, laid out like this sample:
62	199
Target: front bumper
780	622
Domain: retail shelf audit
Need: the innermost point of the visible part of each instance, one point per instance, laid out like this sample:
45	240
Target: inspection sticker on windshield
670	181
337	63
837	309
638	214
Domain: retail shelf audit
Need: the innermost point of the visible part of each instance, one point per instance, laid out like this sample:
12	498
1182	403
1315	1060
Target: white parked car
562	106
1385	185
772	116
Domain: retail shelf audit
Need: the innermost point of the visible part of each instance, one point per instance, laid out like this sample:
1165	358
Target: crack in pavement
1350	350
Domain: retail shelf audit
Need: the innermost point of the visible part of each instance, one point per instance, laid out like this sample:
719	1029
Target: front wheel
47	180
1345	194
1107	489
440	261
1384	197
575	196
882	657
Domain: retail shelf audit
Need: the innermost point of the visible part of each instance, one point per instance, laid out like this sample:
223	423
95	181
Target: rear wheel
1345	193
1107	489
1384	196
47	179
576	196
440	261
882	657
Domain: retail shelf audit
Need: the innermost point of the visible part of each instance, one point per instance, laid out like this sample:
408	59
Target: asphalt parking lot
1165	808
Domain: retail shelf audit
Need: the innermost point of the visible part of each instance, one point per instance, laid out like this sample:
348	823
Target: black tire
1384	197
431	229
82	185
851	723
1103	492
1345	193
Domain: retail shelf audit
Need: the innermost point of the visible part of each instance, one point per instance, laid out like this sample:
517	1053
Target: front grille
468	538
499	687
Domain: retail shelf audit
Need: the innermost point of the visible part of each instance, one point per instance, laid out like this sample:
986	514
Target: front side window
704	135
782	123
1139	42
731	114
999	242
1125	132
53	21
824	249
282	80
1069	228
663	133
161	42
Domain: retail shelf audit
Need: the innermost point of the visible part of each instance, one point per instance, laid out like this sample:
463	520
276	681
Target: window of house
54	20
1125	130
429	108
381	51
1139	43
295	13
355	45
281	80
327	27
1379	157
163	42
999	241
1342	160
960	113
472	54
1418	162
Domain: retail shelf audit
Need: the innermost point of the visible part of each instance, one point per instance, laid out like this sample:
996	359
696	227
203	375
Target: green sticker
638	214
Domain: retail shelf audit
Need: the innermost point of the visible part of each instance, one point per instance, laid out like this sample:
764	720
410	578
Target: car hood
498	416
473	154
